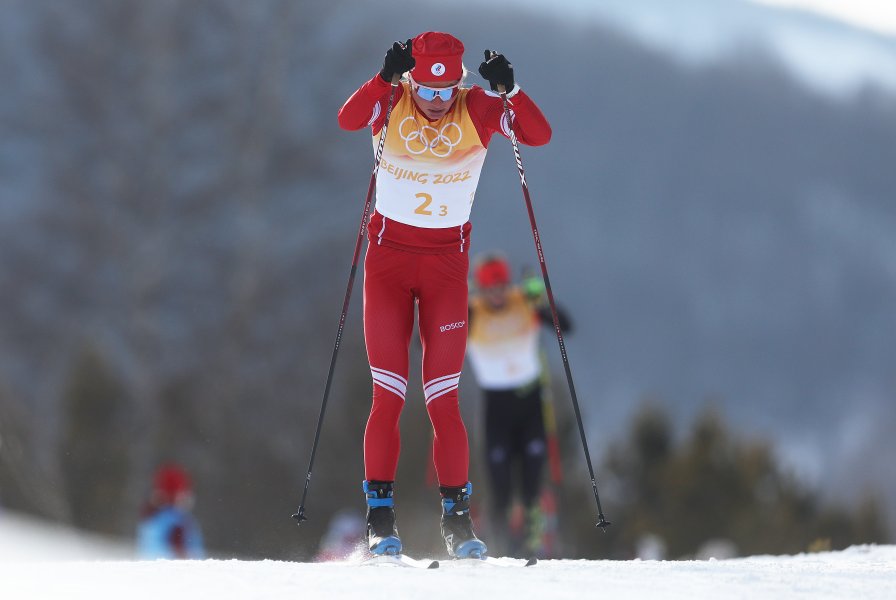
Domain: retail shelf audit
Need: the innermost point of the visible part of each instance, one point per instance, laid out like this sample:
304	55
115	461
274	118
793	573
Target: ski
510	562
401	560
496	562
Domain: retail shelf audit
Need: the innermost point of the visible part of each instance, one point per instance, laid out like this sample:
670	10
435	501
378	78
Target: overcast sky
879	15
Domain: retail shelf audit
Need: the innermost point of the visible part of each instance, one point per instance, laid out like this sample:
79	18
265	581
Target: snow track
36	561
858	572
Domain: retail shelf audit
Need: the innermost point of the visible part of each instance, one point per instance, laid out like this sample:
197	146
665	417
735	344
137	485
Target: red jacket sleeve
487	111
367	106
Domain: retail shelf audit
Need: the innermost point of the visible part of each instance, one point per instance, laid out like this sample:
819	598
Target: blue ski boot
382	536
457	525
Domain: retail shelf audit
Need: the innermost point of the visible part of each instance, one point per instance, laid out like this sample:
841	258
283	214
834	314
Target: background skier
504	326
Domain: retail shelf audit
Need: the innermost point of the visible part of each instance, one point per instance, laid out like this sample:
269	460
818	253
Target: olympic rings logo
440	142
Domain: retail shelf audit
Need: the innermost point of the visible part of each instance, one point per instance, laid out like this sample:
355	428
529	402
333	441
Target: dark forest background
177	214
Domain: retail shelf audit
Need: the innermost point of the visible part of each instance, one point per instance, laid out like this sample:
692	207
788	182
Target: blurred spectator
345	534
650	547
167	528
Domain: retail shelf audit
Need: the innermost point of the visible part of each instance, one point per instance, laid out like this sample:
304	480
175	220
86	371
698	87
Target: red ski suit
419	238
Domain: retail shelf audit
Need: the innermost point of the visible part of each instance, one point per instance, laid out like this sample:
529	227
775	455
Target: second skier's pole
300	513
602	521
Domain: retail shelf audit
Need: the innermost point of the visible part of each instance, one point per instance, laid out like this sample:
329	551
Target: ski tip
531	562
433	565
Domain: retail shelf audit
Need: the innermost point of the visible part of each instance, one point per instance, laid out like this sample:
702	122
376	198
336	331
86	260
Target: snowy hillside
858	572
25	539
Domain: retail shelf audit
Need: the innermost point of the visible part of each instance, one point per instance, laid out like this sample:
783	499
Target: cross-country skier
505	321
419	240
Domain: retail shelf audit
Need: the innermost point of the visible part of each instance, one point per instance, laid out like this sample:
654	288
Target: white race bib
430	169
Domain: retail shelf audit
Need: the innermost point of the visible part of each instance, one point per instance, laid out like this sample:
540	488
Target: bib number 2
423	209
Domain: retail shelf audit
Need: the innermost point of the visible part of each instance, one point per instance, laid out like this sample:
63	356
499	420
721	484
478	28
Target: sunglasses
429	94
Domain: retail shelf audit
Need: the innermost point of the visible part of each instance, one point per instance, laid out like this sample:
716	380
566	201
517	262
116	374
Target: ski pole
396	78
602	521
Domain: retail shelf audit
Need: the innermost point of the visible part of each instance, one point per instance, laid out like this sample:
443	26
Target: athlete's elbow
349	121
346	123
540	139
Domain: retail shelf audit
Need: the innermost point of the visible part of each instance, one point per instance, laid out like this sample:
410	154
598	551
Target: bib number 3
423	209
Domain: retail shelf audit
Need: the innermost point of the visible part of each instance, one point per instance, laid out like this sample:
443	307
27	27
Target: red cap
171	481
438	57
494	271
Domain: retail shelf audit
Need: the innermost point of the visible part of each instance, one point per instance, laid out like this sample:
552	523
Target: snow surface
31	567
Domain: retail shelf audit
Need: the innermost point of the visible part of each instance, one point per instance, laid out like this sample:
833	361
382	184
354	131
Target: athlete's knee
444	388
388	383
386	407
535	448
497	455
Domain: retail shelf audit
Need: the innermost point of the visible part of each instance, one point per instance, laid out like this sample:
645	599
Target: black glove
497	70
398	60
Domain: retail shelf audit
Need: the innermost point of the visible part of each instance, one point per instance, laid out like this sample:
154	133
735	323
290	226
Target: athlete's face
436	108
495	295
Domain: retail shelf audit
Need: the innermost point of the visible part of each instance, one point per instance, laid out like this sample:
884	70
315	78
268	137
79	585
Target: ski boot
457	525
382	536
